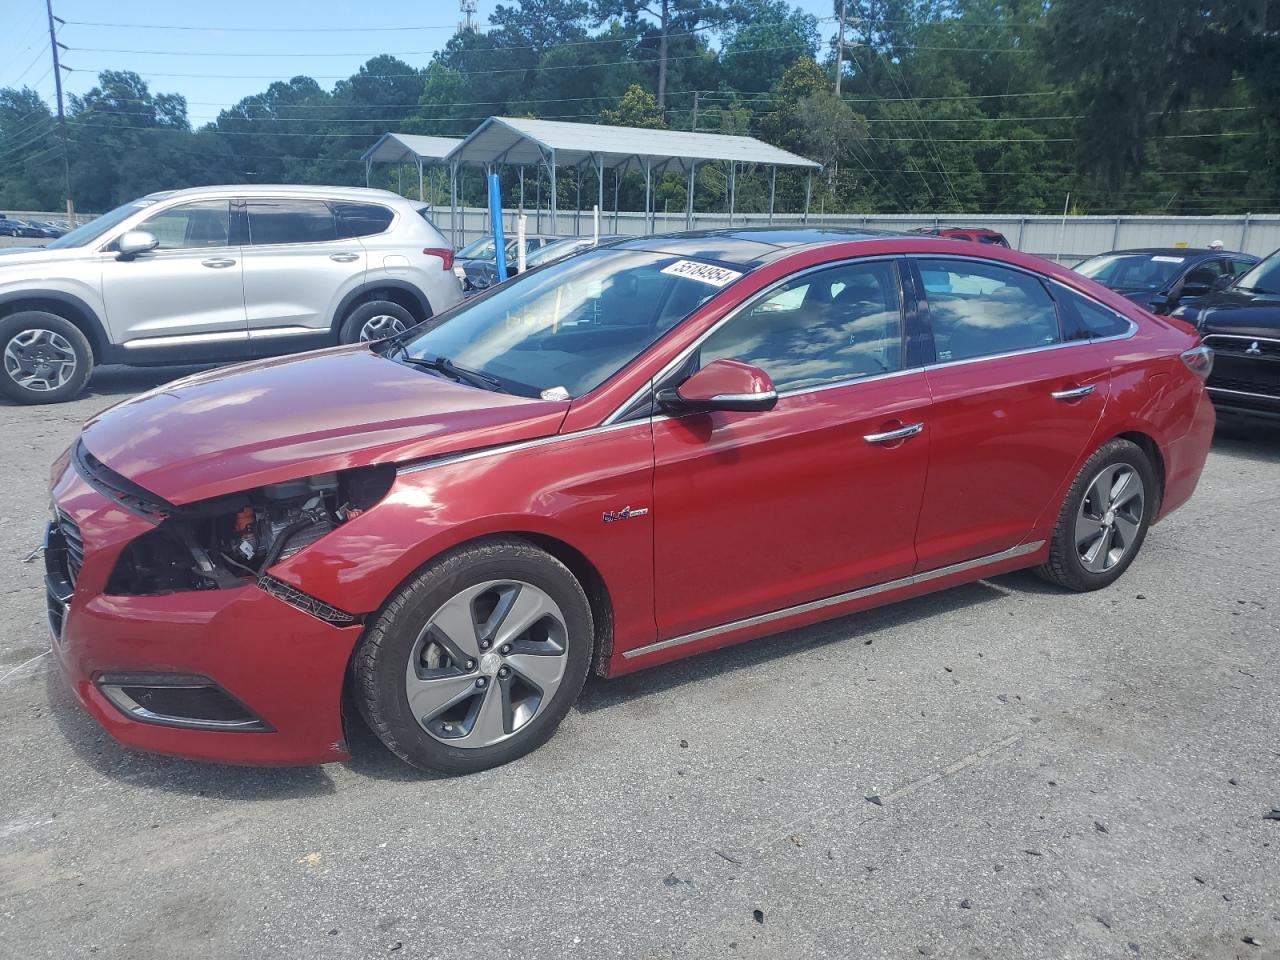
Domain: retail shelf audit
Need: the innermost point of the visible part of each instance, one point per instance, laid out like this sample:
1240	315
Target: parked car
480	256
482	274
216	274
973	234
636	454
47	229
1241	322
1159	278
13	227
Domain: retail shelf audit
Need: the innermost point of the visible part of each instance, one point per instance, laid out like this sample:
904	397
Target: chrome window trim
752	301
1020	550
1239	336
1244	393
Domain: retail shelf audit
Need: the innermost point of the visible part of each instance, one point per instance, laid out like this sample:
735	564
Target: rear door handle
345	257
218	262
1075	393
891	435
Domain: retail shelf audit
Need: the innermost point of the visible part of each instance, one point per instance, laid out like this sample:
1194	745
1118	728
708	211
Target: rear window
1089	318
290	221
360	219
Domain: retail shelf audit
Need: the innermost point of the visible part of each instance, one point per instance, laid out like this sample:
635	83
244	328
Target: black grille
73	545
1246	386
1250	348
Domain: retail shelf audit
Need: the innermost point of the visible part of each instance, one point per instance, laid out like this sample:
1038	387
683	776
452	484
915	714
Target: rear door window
290	221
360	219
1089	318
981	310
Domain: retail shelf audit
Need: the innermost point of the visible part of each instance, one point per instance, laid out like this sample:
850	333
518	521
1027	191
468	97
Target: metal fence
1069	240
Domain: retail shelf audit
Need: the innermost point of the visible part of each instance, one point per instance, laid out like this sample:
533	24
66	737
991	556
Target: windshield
568	327
481	249
91	231
1263	278
1142	271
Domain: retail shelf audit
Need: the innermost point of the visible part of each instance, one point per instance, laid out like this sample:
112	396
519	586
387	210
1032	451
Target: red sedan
641	453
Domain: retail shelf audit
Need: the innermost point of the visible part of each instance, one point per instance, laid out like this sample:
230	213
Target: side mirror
1223	282
135	242
722	385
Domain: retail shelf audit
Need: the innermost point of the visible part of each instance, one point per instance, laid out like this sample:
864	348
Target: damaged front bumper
236	675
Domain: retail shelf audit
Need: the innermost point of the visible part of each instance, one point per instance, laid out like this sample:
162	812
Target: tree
1137	64
637	108
666	18
769	35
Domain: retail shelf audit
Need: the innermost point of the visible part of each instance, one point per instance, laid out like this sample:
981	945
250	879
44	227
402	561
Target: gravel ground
1057	776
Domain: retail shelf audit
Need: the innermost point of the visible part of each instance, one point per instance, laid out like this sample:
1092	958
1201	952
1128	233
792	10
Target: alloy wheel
1110	517
380	327
486	663
40	360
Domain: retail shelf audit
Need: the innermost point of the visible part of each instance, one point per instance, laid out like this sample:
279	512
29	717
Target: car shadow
854	631
151	771
114	380
1248	441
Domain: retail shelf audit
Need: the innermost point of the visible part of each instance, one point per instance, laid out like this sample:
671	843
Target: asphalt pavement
998	770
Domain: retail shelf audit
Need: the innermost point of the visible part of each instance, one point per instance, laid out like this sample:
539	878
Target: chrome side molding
1021	550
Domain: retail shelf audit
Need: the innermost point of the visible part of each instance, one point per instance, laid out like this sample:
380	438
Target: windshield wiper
450	369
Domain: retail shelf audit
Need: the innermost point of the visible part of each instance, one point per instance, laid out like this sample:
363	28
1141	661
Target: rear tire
1104	519
376	320
46	359
477	660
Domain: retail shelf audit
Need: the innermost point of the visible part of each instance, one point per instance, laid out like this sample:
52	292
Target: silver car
215	274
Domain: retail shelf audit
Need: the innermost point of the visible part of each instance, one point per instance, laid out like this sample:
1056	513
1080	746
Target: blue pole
495	216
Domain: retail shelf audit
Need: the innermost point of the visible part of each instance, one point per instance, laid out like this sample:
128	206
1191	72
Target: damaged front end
233	540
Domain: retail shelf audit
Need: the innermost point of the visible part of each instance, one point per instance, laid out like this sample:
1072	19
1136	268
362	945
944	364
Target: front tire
478	659
1104	519
376	320
46	359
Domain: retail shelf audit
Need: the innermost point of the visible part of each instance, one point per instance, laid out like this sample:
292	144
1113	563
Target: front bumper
283	665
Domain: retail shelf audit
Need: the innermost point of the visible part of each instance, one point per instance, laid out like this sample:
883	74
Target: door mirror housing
729	385
134	242
1223	282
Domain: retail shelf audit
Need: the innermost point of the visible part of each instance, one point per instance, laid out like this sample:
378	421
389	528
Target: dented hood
240	427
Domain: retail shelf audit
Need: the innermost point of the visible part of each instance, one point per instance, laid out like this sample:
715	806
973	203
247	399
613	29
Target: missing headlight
233	540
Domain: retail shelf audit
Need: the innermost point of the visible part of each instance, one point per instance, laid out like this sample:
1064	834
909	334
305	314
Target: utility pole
694	126
840	49
62	116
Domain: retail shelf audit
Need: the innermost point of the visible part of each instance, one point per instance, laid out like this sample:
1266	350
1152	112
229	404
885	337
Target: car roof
284	190
748	246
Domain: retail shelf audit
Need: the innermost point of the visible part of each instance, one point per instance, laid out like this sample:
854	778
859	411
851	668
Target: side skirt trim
1019	551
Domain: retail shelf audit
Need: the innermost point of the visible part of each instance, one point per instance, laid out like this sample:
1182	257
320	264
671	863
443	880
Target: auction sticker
702	272
1167	259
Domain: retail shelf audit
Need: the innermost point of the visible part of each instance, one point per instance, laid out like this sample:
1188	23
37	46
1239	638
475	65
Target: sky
216	54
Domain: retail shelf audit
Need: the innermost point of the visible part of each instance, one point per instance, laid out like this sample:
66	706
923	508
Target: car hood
240	427
1239	313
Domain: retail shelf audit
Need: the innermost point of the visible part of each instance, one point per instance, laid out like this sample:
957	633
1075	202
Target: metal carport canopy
507	141
513	140
412	148
409	147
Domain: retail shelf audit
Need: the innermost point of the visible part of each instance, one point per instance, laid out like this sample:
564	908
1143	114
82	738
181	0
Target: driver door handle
1075	393
345	257
891	435
218	262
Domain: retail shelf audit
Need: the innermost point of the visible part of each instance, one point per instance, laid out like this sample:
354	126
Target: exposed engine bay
232	540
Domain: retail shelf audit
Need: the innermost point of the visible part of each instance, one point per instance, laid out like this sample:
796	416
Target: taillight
444	253
1199	360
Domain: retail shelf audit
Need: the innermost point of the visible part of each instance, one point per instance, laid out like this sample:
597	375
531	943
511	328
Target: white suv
215	274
